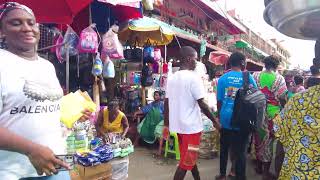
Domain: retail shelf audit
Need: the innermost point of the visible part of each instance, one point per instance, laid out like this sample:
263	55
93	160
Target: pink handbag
157	54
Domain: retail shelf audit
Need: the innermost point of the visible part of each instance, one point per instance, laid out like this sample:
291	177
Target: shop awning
218	57
146	30
54	11
186	35
241	44
216	12
254	66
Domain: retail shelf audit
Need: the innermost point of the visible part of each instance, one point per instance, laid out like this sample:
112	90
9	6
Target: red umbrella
54	11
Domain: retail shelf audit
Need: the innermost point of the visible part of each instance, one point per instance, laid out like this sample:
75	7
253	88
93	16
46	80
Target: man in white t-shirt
183	104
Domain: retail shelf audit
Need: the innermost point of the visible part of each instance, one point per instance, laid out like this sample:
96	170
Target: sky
251	12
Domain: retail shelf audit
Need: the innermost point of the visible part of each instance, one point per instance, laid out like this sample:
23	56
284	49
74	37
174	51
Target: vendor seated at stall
151	127
112	120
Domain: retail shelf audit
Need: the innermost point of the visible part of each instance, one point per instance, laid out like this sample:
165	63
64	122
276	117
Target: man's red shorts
184	141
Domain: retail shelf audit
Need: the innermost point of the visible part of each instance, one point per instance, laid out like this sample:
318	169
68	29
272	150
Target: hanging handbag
157	54
146	76
134	53
148	53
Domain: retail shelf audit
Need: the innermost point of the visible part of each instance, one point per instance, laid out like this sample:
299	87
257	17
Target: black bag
249	107
146	76
133	53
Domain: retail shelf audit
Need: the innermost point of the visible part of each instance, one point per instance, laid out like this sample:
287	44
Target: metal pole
67	69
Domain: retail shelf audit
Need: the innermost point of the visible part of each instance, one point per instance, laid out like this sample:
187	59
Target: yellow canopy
146	30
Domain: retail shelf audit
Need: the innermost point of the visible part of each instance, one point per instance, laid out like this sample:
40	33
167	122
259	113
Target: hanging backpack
108	69
148	53
249	107
146	76
88	42
157	54
155	67
111	46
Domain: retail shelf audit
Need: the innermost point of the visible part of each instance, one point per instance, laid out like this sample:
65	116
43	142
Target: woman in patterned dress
273	85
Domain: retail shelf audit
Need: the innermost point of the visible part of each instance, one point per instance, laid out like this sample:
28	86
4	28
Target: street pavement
143	166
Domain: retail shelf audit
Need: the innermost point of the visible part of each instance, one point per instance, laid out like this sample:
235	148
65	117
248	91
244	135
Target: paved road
144	167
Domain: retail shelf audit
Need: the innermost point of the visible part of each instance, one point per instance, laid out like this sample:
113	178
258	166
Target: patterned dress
298	129
273	85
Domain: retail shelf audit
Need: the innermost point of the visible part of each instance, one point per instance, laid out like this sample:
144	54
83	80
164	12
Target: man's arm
219	104
206	110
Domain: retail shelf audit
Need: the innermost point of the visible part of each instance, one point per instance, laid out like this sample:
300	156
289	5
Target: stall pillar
143	96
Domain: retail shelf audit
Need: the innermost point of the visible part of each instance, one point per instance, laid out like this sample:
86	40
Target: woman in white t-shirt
30	131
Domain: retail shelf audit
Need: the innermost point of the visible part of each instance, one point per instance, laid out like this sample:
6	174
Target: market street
143	166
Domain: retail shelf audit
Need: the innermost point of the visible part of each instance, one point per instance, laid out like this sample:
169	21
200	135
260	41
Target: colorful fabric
298	129
274	87
187	157
158	105
228	86
149	124
158	131
115	126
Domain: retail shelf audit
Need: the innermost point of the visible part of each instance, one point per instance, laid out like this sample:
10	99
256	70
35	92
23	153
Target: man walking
183	104
231	138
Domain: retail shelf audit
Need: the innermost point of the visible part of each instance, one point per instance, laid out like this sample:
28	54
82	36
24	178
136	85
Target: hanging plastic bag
111	46
88	42
148	4
59	45
70	41
97	66
108	69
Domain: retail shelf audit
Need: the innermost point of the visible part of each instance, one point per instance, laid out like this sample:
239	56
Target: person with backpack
273	85
231	138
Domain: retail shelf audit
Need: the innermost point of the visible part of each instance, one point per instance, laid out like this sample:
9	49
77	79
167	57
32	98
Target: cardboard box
99	172
75	176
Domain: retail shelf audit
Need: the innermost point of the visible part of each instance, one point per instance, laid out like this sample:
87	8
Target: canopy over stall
54	11
145	30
